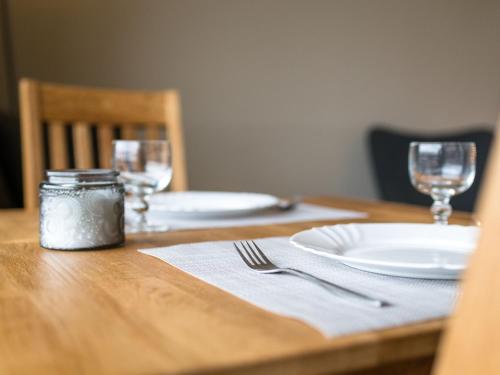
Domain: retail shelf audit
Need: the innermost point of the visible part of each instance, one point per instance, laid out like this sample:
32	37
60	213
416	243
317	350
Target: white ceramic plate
425	251
206	204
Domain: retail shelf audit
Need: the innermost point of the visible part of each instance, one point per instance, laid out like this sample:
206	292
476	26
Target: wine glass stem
142	209
441	209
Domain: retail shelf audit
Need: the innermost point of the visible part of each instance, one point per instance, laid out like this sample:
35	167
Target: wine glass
442	170
145	167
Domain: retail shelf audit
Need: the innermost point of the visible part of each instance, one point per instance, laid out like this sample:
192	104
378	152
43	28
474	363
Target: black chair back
389	154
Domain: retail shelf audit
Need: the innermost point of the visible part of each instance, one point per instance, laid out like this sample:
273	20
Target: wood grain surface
120	311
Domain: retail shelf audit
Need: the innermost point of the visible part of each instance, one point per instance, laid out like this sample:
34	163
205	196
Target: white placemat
303	212
217	263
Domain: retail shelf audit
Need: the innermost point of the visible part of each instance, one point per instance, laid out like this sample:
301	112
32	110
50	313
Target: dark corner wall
10	155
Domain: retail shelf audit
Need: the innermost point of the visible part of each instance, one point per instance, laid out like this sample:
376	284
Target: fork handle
329	285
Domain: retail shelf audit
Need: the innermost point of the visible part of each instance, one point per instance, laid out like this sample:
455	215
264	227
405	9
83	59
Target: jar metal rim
96	185
75	178
86	173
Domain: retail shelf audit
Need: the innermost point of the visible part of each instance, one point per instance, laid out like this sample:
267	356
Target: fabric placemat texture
218	264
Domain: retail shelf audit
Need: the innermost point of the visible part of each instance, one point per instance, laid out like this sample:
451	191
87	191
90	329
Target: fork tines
254	255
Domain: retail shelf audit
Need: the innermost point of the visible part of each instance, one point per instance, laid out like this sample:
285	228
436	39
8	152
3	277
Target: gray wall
278	94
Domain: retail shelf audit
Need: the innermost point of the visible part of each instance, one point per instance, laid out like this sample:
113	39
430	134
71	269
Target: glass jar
81	209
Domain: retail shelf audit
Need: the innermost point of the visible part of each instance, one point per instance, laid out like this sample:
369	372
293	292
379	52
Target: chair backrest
389	154
471	344
73	127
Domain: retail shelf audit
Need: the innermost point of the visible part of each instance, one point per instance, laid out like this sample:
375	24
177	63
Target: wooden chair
72	127
472	343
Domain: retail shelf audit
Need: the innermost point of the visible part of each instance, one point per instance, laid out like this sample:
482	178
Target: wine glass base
146	228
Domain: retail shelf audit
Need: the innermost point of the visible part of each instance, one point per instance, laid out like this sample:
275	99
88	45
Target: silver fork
257	261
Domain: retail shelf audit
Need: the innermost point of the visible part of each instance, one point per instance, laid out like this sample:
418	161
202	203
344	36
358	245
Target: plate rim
273	202
344	259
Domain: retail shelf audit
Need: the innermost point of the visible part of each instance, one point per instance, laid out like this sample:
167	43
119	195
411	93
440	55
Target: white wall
278	94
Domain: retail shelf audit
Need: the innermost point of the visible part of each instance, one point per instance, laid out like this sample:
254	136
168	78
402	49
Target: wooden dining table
118	311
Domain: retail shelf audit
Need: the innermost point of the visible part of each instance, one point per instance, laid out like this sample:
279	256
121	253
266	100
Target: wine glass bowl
145	168
442	170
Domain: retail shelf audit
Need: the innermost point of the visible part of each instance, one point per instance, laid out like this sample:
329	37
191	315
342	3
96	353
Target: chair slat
32	141
104	140
153	132
82	139
176	137
129	132
58	149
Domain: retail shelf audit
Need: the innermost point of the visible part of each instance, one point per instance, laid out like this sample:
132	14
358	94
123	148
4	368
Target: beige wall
278	94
